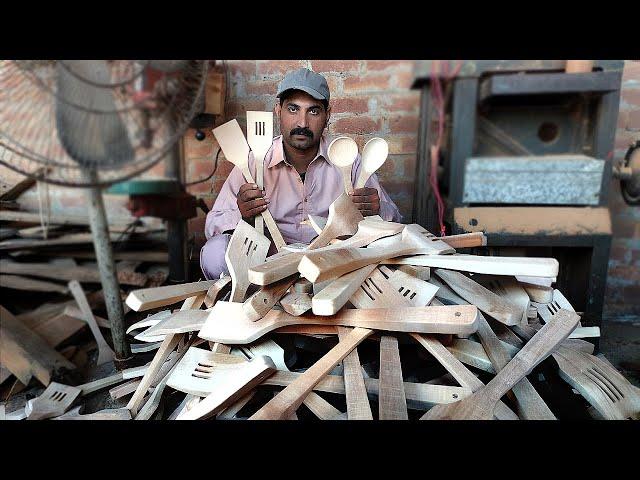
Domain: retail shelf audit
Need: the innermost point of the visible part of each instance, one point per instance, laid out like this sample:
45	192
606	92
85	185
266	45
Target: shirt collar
278	151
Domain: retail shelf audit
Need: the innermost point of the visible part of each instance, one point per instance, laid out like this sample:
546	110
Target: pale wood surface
335	295
392	403
236	385
465	240
343	219
79	273
54	401
600	384
259	303
246	248
232	410
23	283
216	290
486	301
105	353
358	407
531	266
374	154
461	373
482	403
148	298
54	329
342	152
259	138
321	266
547	310
369	230
183	321
419	395
71	239
289	399
296	303
417	291
225	325
150	321
508	288
538	293
445	293
25	354
236	149
124	389
107	414
377	292
529	404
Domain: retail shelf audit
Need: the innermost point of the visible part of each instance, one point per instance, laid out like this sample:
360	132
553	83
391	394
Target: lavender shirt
291	199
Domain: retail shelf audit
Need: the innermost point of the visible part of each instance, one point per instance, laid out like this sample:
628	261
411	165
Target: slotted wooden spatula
54	401
259	137
234	145
246	248
481	404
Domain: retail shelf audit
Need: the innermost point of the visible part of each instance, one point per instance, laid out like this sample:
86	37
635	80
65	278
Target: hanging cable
215	167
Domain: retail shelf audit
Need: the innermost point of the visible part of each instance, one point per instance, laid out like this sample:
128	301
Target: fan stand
107	269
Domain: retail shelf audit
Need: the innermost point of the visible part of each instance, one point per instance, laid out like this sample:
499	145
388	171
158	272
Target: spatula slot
598	383
608	383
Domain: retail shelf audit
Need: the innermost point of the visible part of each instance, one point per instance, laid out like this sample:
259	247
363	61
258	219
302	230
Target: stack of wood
373	320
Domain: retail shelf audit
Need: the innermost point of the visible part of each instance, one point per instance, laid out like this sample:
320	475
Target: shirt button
306	199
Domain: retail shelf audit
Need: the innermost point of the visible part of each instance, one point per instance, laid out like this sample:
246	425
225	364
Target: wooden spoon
342	152
374	155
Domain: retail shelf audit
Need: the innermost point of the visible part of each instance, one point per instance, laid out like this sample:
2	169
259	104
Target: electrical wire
215	167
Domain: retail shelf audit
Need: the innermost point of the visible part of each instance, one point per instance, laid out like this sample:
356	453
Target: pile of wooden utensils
361	279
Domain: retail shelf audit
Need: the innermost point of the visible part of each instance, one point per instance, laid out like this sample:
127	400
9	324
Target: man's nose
301	121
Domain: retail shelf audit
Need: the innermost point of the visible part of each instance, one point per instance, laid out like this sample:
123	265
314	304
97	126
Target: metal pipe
106	267
176	229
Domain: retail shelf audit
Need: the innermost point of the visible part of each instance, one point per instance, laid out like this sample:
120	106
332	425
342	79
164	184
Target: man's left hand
367	200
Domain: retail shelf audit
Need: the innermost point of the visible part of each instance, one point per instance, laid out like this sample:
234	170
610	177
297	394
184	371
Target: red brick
366	83
238	108
404	124
623	139
358	125
349	105
404	79
196	224
203	187
278	67
631	96
198	149
262	87
335	66
620	254
386	64
623	118
199	168
404	102
410	144
335	85
625	272
240	67
633	120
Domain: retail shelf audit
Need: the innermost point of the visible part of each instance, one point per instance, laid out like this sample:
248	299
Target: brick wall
623	282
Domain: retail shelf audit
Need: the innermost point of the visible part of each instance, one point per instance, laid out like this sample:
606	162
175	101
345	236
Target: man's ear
276	109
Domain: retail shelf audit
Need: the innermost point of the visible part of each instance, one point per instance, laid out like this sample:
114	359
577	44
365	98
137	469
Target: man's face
302	120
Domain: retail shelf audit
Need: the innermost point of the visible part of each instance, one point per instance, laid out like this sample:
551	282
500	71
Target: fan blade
88	126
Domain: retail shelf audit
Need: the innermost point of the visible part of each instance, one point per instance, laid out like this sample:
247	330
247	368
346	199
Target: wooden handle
284	404
259	160
258	304
275	270
358	407
362	178
334	296
536	350
346	179
465	240
322	266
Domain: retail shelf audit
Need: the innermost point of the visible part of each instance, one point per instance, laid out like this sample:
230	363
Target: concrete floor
620	343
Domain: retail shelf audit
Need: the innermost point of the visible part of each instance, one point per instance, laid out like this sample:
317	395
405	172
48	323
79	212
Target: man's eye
314	111
291	108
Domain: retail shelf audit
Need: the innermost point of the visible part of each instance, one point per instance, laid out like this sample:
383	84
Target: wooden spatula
367	230
148	298
259	137
246	248
234	145
418	292
226	324
321	266
259	304
481	404
52	402
600	384
105	354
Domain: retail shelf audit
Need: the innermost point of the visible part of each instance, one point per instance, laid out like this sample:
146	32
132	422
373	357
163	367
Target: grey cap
304	79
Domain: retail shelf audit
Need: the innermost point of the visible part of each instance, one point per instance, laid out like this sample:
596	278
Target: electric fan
91	123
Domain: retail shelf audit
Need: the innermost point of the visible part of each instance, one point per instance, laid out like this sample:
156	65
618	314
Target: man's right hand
251	200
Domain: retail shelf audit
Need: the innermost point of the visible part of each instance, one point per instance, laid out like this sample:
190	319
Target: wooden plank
358	407
142	255
148	298
225	323
12	191
392	404
284	404
25	354
23	283
57	219
72	239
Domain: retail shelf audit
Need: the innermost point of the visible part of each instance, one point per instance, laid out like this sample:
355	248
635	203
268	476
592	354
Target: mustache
301	131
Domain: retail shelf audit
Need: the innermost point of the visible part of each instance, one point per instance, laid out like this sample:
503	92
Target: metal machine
526	157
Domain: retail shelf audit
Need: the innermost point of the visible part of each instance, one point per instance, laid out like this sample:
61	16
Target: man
298	178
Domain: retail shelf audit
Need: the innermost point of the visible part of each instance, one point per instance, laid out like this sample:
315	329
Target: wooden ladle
342	153
374	155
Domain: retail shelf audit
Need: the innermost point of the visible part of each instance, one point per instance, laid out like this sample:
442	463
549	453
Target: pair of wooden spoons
343	151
